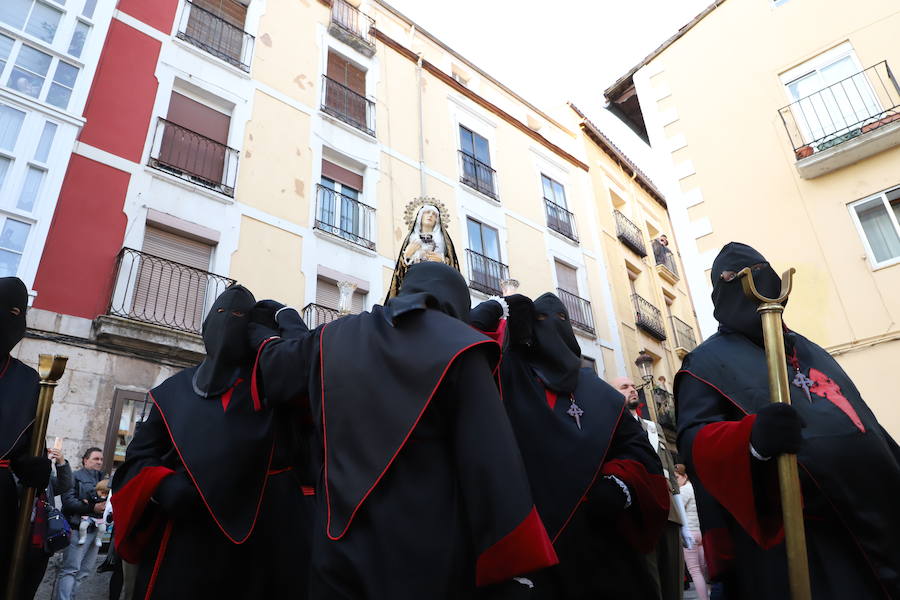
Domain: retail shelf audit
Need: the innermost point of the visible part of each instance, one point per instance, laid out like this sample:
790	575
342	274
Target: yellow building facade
780	122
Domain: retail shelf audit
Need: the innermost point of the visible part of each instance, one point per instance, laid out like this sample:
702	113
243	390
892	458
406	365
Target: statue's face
429	218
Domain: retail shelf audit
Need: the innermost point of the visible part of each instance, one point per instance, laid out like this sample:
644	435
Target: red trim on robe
499	334
226	397
278	471
551	397
643	523
721	456
6	366
525	549
307	490
131	504
254	385
718	550
163	546
4	463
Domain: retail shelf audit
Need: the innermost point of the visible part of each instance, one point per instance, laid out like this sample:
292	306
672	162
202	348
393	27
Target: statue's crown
412	209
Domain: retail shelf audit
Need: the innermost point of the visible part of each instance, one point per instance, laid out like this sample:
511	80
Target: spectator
79	560
693	556
37	557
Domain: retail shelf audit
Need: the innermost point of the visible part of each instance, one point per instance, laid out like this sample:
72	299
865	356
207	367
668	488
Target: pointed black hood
225	338
13	303
431	285
555	354
732	309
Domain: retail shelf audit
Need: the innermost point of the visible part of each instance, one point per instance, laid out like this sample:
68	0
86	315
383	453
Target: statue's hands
412	248
434	257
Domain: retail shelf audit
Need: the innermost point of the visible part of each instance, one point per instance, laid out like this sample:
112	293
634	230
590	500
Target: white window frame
862	234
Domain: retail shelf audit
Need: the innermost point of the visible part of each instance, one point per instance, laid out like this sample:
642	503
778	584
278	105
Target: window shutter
231	11
346	73
567	278
342	175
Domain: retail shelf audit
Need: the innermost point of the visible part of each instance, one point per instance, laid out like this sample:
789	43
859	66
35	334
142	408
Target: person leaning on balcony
596	480
210	501
729	433
422	490
18	403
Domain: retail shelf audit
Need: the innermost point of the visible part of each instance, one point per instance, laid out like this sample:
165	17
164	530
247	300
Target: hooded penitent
18	382
225	339
431	285
554	354
13	303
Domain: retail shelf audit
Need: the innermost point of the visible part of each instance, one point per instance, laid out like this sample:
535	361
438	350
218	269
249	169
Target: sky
553	52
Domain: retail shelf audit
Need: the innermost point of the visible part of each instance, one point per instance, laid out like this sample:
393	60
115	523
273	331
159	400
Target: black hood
732	308
225	338
13	297
554	354
431	285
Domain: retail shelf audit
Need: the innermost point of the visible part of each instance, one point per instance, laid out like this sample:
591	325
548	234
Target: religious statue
428	239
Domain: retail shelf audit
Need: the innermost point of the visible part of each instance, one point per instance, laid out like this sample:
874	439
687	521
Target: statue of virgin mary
428	240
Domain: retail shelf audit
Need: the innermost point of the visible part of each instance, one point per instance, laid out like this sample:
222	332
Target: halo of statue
427	240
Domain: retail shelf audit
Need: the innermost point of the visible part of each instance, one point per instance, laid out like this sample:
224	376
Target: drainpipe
422	191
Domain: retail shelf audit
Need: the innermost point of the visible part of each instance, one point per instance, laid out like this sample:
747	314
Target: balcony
684	337
648	317
666	265
580	314
353	27
315	315
344	217
215	35
344	104
844	123
486	274
560	220
193	157
477	175
630	234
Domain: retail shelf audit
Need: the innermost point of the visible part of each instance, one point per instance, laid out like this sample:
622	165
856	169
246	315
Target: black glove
606	499
777	430
177	495
263	312
486	316
32	471
521	319
290	324
258	333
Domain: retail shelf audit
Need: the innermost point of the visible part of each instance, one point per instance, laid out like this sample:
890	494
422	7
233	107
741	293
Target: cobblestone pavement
95	587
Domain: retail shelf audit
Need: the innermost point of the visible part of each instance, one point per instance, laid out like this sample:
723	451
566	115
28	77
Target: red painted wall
159	14
121	100
77	268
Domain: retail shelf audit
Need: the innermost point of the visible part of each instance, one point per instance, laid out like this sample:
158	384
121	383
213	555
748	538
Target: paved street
95	587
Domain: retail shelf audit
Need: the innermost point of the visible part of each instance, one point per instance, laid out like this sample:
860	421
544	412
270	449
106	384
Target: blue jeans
79	561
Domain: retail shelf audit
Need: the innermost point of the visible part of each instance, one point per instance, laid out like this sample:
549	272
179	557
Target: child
101	493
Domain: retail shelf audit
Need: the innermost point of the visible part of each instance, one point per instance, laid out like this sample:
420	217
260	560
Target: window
28	195
475	158
13	235
559	218
567	278
486	272
567	287
6	45
43	147
217	27
128	409
35	18
30	69
878	218
89	7
339	210
79	36
345	94
10	125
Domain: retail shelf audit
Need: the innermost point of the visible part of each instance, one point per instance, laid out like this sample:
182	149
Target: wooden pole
50	369
771	310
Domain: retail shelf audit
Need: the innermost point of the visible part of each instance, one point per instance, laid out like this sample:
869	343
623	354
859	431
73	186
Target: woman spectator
693	556
37	557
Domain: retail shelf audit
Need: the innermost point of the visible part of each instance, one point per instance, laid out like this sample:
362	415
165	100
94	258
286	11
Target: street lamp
644	363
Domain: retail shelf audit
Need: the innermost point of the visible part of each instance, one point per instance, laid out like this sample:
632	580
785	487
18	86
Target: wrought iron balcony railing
215	35
344	104
345	217
353	26
477	175
630	234
560	220
316	314
485	274
648	317
665	257
194	157
580	314
852	107
684	334
162	292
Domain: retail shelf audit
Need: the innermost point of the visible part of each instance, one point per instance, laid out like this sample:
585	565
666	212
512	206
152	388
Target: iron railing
477	175
345	217
162	292
665	257
684	334
842	111
213	34
580	314
194	157
353	21
560	220
316	314
344	104
486	274
648	317
630	234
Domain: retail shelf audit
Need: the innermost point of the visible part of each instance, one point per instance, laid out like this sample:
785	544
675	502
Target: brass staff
770	310
50	369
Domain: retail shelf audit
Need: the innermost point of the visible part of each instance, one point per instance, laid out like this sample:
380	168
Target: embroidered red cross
825	387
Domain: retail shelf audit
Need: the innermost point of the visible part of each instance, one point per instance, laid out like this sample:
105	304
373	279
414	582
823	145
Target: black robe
849	471
599	557
18	404
250	537
422	491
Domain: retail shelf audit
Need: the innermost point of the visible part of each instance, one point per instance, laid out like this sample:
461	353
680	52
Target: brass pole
50	369
770	310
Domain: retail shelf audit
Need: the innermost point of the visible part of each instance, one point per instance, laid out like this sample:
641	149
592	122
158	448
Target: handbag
58	529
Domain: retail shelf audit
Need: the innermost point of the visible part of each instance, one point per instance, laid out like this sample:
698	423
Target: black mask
555	354
225	338
13	297
732	308
431	285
